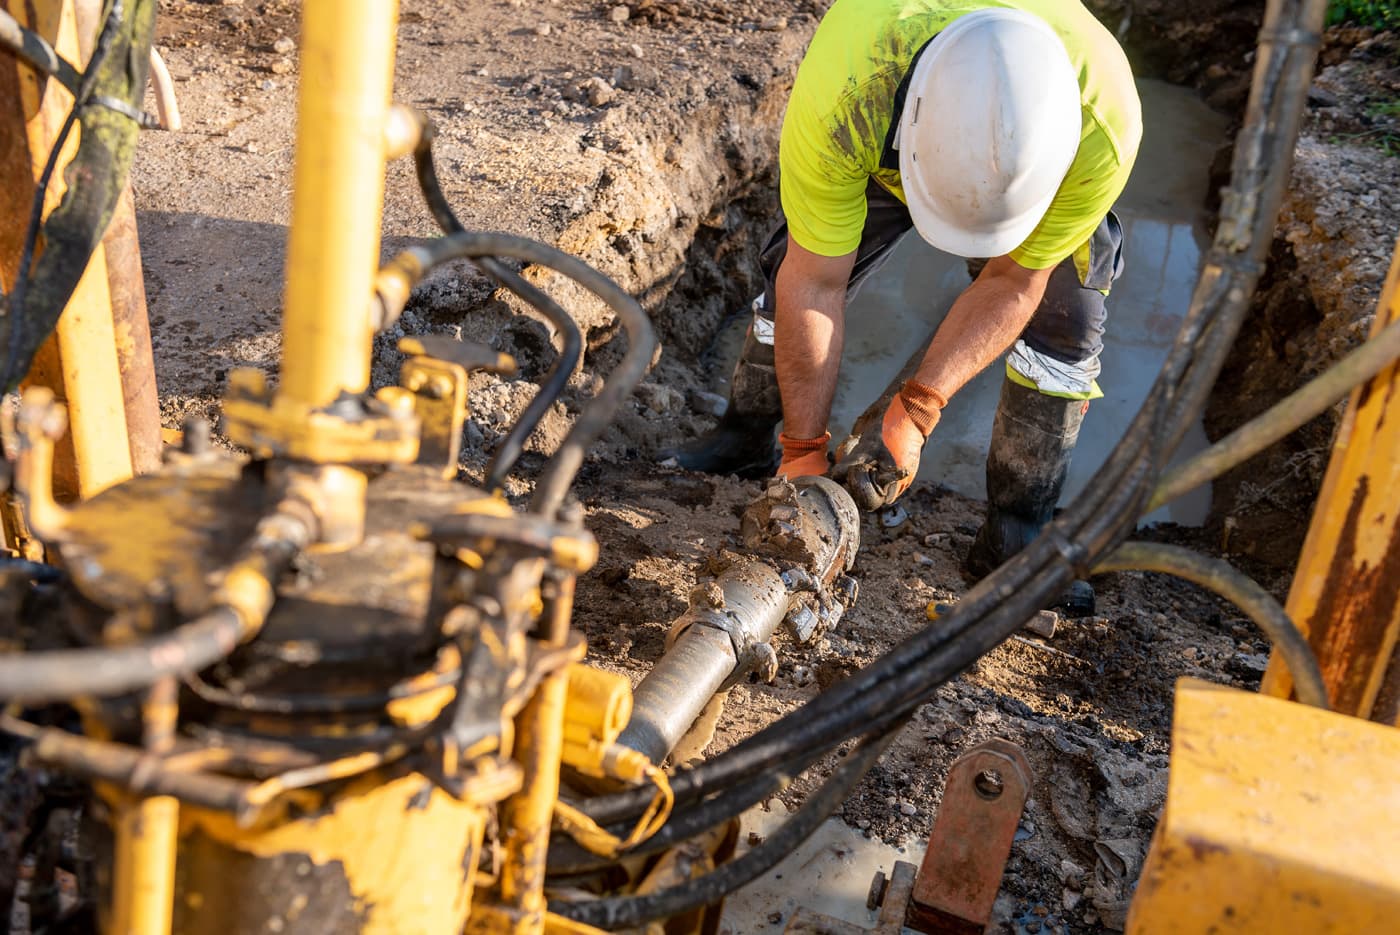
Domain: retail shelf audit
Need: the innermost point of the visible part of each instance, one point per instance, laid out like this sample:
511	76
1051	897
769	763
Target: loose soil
646	145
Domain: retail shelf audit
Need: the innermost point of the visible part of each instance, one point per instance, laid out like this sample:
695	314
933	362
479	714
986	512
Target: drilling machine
328	686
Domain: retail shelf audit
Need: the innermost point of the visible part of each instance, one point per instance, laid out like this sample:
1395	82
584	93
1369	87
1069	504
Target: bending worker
998	130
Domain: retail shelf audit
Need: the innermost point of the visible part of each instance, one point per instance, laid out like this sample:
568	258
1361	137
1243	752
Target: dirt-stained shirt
836	133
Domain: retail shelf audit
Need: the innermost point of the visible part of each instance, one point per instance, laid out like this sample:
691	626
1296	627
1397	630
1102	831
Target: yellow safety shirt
837	129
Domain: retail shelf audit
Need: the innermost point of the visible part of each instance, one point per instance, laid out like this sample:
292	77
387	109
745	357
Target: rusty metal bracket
971	839
953	890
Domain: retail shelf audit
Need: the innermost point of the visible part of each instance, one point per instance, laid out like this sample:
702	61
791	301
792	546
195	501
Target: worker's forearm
984	321
810	322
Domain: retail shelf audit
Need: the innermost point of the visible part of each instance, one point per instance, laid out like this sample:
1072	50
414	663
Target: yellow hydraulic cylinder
347	61
1344	592
80	361
143	886
528	815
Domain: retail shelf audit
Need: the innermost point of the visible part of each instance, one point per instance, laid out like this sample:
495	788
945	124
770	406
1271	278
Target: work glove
803	457
882	465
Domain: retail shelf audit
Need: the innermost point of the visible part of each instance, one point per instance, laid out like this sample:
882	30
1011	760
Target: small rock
802	675
637	50
619	14
938	540
623	78
891	801
1043	623
267	84
908	810
284	46
1072	875
251	147
755	839
283	66
863	824
597	91
543	29
893	516
1189	654
922	559
774	24
1033	926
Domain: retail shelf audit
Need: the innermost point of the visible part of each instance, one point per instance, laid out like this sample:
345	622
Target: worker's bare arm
984	321
810	319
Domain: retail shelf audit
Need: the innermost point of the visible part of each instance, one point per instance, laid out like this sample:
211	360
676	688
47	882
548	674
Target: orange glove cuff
798	446
924	405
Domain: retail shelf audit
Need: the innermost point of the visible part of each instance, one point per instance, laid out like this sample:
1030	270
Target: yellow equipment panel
1279	818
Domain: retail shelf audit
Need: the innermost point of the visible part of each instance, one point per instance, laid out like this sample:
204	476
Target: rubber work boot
743	442
1032	440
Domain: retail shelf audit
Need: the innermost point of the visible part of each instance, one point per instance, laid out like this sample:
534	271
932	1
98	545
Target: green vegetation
1378	14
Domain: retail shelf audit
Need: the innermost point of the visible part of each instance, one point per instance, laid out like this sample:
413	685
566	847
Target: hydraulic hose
1243	592
1286	416
558	475
503	462
629	911
31	48
244	599
61	675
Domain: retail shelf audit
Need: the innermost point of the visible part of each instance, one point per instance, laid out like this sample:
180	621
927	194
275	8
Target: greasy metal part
961	871
528	816
132	327
439	391
801	538
1344	591
677	688
1279	818
143	885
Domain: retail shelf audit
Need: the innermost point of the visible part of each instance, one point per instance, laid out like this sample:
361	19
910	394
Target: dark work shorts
1067	326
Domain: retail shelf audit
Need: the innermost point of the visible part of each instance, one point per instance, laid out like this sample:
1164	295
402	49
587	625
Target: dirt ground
646	144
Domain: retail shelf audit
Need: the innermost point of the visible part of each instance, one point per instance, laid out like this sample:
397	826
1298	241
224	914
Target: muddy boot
743	441
1032	440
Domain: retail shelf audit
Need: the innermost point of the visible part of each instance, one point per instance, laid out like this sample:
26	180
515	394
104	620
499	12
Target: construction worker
997	130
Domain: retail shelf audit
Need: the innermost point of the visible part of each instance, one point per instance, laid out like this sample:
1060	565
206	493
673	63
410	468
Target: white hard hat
990	126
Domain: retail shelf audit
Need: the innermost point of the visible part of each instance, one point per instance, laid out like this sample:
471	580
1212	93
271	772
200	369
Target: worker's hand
804	457
881	467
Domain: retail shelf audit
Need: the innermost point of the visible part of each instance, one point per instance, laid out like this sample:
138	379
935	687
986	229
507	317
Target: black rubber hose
31	48
554	383
628	911
503	461
61	675
559	474
1243	592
